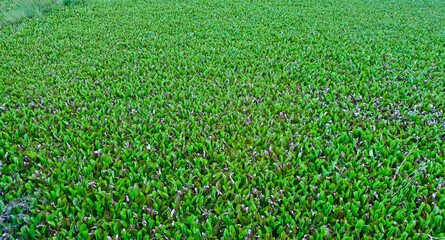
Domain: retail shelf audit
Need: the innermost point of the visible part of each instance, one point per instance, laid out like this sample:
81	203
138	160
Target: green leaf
83	231
360	224
280	230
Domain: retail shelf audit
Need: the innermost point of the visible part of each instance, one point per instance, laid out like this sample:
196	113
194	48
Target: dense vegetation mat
225	119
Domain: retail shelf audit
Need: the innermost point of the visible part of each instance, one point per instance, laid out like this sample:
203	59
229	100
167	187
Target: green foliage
14	215
71	2
24	9
225	119
33	8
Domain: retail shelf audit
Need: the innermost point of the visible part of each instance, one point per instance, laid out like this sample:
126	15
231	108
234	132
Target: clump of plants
24	9
14	215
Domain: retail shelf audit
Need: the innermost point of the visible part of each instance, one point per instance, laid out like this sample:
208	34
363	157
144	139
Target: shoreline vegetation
17	11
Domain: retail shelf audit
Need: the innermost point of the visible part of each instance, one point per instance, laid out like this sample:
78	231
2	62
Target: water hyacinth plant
224	119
